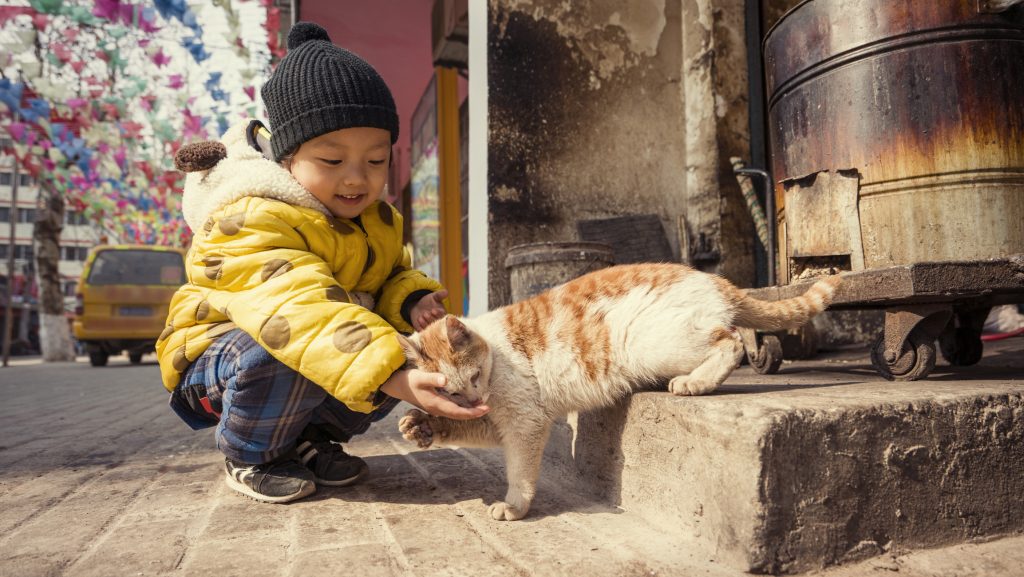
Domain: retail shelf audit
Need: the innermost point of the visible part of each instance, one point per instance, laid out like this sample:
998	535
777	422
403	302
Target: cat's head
449	347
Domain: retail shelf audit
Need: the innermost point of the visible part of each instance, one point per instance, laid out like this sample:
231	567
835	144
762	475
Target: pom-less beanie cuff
288	136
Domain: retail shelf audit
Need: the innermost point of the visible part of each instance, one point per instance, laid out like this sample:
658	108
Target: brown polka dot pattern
208	225
338	294
167	332
203	310
180	362
341	227
276	332
219	329
230	225
352	337
213	266
275	268
386	216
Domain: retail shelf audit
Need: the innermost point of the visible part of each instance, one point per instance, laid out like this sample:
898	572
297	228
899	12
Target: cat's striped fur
584	345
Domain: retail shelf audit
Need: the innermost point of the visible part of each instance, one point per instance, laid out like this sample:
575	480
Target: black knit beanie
319	88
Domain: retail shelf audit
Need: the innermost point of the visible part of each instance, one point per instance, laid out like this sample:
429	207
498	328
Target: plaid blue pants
259	405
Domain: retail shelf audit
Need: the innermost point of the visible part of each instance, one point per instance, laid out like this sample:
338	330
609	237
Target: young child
286	336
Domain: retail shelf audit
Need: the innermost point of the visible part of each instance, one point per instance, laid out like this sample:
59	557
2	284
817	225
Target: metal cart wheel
915	360
767	358
961	346
960	343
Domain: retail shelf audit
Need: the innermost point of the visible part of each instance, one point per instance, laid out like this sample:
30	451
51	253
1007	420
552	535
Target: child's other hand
419	388
429	309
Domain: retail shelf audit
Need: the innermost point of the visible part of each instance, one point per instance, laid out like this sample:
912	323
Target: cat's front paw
416	428
502	511
685	385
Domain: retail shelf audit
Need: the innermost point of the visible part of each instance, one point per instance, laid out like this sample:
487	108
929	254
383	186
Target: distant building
76	239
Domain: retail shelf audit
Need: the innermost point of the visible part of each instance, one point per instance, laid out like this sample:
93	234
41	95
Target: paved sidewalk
98	477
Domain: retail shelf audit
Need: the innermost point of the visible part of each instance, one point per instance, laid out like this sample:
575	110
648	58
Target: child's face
346	169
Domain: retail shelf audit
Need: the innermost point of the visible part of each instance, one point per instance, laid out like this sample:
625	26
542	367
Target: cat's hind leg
425	430
724	354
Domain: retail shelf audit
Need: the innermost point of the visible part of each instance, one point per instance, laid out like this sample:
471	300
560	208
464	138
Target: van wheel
98	359
135	358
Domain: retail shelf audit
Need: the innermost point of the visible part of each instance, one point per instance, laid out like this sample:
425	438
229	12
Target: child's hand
420	388
428	310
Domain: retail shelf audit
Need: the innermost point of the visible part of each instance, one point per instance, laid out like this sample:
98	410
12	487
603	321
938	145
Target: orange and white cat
583	345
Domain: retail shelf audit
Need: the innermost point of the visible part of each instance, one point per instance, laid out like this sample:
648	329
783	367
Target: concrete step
821	464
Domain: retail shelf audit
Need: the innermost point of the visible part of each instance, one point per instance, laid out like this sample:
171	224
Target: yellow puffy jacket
268	258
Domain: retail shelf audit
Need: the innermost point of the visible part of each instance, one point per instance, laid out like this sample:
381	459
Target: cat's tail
785	314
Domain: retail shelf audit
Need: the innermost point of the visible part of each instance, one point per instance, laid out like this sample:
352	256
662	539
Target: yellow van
123	297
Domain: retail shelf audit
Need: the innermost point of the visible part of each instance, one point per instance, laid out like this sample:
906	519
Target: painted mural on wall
426	220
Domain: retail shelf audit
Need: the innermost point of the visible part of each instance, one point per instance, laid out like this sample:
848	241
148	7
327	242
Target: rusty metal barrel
896	132
536	267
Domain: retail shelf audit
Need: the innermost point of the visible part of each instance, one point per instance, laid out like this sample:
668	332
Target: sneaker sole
306	491
363	472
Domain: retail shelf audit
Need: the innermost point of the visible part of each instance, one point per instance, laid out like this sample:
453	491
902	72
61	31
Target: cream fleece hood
243	172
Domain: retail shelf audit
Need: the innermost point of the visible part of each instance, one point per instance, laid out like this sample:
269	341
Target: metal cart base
923	302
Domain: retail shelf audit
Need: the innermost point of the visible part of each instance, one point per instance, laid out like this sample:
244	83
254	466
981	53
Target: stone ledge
817	468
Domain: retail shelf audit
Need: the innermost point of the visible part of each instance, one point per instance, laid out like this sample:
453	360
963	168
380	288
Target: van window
137	267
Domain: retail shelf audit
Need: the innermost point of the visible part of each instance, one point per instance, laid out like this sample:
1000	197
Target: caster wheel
961	346
135	358
915	360
768	357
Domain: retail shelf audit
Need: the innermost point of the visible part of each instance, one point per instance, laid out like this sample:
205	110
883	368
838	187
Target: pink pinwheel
161	59
145	168
78	66
8	12
192	125
174	82
77	103
17	131
131	129
61	51
106	9
111	111
147	26
250	91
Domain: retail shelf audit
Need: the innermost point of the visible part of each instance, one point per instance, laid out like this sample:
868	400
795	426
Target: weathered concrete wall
605	108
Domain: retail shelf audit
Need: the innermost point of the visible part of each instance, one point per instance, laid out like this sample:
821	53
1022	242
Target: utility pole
13	217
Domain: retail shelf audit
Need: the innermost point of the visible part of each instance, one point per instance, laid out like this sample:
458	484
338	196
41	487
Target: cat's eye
475	377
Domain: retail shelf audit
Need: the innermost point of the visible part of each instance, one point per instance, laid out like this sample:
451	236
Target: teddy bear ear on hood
199	156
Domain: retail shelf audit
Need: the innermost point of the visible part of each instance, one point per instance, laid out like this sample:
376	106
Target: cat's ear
457	333
413	354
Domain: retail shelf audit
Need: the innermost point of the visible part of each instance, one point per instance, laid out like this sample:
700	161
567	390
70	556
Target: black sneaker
275	482
331	465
